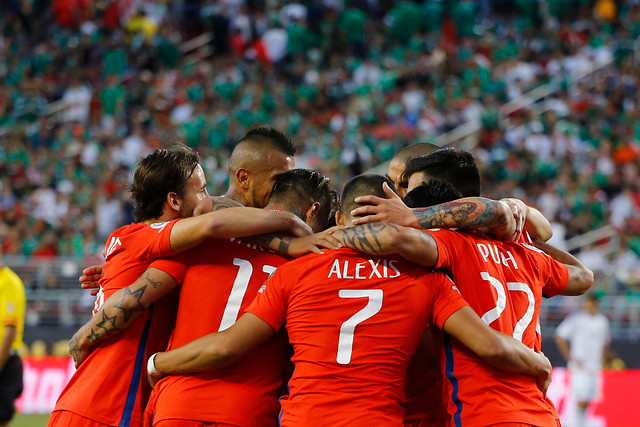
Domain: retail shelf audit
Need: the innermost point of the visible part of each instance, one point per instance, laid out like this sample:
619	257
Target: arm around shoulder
580	277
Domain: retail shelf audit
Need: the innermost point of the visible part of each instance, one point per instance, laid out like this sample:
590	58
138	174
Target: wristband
151	366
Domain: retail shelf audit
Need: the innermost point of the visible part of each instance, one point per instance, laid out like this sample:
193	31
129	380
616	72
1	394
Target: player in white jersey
582	338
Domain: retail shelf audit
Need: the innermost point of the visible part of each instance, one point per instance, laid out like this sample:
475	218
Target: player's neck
167	215
237	196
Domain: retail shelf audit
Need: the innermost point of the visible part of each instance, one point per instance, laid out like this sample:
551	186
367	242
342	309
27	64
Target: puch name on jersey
113	245
497	255
364	270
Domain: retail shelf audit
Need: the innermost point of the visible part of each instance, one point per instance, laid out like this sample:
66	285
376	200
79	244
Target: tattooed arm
120	310
216	217
382	238
492	216
227	219
296	246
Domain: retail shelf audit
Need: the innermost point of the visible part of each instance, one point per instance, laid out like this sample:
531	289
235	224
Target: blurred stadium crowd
86	87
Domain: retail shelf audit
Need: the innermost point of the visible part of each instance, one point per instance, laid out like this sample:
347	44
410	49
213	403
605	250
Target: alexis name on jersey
382	268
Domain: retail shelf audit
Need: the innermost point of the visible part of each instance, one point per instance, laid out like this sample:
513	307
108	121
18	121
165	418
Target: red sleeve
175	266
446	298
270	304
446	250
155	241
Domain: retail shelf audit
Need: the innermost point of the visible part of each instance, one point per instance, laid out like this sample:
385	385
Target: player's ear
243	178
174	201
313	210
340	219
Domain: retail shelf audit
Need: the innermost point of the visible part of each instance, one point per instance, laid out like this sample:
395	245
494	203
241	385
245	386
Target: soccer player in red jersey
167	186
246	393
354	322
504	283
239	270
425	405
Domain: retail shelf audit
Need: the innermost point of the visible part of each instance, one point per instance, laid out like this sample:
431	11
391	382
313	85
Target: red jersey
110	387
425	404
504	283
219	280
354	321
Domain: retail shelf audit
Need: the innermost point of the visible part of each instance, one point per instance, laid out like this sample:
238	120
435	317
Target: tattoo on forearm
131	297
155	283
270	240
93	336
108	323
74	345
458	214
365	238
283	246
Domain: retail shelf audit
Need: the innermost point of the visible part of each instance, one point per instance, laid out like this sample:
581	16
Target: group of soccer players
381	323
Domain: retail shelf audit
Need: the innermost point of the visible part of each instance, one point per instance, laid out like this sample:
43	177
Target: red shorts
71	419
188	423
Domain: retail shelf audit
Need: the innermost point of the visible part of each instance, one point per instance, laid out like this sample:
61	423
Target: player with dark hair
431	193
155	177
504	283
237	270
261	155
450	164
308	188
172	183
354	322
465	177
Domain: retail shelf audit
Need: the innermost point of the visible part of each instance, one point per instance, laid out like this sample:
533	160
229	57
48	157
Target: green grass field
21	420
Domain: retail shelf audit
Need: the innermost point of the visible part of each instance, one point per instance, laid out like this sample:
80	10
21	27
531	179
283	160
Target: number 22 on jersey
501	302
348	328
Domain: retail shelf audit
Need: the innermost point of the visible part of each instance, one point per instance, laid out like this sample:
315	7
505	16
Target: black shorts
10	387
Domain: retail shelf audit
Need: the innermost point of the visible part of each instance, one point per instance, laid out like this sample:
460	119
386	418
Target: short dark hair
158	174
363	185
269	135
299	188
452	165
431	193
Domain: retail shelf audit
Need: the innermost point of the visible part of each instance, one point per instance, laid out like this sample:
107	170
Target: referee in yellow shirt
12	308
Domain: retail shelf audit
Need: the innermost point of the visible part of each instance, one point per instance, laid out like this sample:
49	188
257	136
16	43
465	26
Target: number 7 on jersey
347	330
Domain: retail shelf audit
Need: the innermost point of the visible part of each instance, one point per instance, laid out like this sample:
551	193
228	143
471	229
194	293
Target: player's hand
313	243
519	210
78	353
90	278
544	377
298	227
391	210
153	376
153	379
